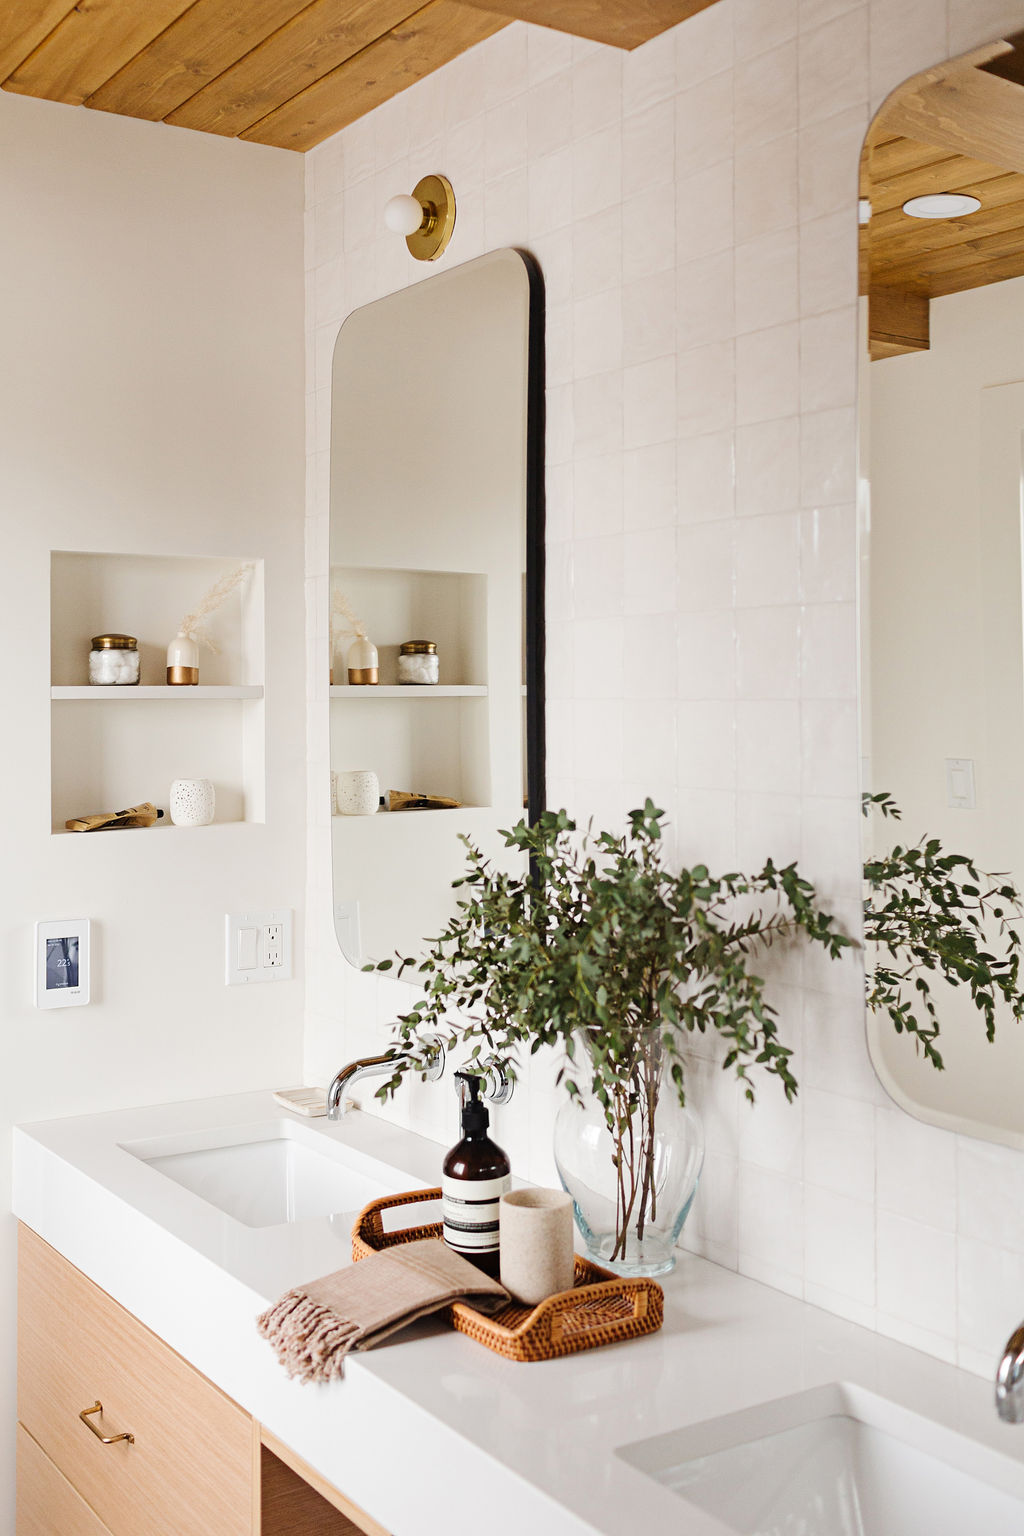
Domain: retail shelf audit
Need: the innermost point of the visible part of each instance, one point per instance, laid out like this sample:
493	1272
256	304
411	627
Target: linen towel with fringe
313	1327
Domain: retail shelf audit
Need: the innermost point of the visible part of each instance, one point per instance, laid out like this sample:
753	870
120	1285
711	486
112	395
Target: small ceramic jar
183	661
417	662
361	663
114	659
193	802
357	793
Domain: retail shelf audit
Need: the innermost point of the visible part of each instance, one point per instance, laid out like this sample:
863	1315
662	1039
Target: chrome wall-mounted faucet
1010	1380
375	1066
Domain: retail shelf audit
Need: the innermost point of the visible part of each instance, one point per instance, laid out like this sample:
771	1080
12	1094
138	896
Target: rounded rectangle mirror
436	583
942	620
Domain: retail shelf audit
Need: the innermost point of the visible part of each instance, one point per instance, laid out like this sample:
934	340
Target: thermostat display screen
61	963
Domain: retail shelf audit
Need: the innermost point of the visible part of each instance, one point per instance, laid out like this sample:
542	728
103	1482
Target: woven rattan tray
602	1308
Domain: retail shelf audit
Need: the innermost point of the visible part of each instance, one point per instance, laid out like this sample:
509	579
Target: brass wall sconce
426	218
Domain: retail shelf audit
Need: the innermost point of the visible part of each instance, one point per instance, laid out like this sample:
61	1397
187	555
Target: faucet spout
375	1066
1010	1380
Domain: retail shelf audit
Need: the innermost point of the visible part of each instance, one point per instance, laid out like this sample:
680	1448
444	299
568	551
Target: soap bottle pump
475	1175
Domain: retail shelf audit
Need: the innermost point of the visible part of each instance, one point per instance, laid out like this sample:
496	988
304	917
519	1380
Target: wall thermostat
62	963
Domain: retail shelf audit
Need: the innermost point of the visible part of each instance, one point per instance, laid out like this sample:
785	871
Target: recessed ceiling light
941	205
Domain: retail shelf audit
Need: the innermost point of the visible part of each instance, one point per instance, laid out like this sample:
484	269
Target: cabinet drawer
189	1471
46	1500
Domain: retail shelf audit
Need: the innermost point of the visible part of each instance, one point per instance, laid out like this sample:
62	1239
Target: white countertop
434	1433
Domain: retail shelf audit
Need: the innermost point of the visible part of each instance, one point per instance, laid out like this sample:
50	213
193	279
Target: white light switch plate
257	947
960	792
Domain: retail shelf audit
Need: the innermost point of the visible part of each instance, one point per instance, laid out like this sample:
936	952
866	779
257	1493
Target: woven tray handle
574	1303
368	1233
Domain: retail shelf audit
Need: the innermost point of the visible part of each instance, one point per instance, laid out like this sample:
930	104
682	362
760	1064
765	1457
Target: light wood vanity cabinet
196	1465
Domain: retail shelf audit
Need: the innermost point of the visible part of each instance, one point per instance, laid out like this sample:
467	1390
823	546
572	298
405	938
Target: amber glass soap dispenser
475	1175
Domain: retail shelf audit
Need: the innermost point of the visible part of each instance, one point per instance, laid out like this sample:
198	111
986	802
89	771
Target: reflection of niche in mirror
436	534
941	463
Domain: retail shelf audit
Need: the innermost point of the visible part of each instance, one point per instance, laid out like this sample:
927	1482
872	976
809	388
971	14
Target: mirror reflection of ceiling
281	72
956	128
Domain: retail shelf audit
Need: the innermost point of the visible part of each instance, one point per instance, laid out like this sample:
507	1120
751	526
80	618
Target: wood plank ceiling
281	72
955	129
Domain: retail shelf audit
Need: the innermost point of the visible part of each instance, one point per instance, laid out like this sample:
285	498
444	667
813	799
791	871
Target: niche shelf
411	691
197	695
104	758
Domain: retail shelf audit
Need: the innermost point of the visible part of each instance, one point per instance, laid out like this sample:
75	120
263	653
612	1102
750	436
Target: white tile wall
692	205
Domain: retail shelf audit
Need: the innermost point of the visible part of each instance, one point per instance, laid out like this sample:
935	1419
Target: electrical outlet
257	947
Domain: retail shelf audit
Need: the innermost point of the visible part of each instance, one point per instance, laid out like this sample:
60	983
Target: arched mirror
437	560
941	467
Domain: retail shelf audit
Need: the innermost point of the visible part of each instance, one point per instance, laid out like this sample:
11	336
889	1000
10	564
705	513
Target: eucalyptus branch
606	946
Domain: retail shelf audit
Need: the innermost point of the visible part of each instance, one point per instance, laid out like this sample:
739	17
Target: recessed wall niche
114	746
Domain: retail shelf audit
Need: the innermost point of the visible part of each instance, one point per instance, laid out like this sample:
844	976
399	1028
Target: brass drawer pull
86	1418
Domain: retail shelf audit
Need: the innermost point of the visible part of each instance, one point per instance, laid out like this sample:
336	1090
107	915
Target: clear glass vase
632	1184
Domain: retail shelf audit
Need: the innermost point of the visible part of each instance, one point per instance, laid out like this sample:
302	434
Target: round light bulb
403	214
941	205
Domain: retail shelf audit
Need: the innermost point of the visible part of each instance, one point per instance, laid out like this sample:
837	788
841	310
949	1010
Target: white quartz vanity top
433	1433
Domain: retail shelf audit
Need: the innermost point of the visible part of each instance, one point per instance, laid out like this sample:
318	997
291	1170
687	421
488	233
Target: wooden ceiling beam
898	322
208	39
93	41
436	34
1010	63
621	23
305	50
967	113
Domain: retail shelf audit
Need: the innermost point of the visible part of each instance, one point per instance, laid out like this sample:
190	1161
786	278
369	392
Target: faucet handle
498	1086
495	1084
434	1070
1010	1380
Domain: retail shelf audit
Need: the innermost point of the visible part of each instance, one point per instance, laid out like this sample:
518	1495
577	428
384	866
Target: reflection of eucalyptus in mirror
931	914
435	528
941	423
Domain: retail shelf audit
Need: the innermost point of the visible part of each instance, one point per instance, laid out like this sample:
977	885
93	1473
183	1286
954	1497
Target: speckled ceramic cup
193	802
536	1243
357	793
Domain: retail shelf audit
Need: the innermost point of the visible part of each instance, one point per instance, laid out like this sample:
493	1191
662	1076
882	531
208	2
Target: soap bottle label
470	1213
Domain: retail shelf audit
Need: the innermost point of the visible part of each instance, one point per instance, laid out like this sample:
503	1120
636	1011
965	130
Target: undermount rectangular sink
266	1175
836	1461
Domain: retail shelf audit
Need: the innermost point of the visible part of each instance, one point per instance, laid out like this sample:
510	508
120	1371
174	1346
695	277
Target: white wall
693	206
150	401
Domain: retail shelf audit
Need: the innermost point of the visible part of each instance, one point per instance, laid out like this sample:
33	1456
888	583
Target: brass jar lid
417	648
114	643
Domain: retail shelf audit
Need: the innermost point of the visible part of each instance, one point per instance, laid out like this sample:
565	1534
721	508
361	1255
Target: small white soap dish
304	1101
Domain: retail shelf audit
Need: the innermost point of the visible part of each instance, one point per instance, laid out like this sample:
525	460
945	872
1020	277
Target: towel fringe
310	1340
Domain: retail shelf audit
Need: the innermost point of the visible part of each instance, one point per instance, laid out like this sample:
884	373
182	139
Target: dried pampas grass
343	620
193	624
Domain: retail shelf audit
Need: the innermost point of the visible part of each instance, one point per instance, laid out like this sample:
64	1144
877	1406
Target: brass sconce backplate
437	198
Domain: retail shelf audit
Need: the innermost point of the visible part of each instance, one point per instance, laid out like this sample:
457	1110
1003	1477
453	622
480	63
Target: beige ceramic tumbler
536	1243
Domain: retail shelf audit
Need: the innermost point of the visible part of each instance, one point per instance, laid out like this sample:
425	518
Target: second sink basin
836	1461
268	1174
